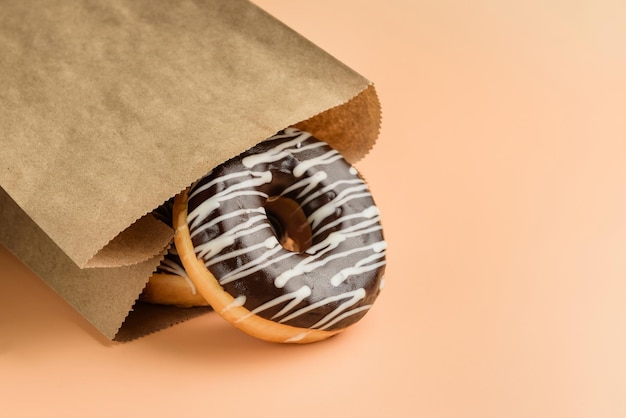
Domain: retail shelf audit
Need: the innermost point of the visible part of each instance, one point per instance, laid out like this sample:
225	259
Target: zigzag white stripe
329	244
369	213
215	246
331	207
226	216
361	266
254	266
277	153
328	188
345	315
205	209
354	296
294	297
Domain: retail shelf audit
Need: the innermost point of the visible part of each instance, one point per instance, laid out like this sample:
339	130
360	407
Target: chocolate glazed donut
291	232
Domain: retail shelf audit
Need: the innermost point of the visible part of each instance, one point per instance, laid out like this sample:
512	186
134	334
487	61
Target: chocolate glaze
165	212
328	286
171	263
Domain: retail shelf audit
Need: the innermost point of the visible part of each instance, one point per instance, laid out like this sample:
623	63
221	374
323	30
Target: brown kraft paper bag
108	109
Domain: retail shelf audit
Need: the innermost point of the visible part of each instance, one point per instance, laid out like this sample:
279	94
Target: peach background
500	175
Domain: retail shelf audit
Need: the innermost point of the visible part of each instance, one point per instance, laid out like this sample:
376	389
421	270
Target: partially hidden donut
169	284
283	241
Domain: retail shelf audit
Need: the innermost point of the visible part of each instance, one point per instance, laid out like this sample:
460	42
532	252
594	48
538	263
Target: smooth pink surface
500	173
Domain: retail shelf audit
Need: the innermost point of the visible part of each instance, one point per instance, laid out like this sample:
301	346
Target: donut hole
289	223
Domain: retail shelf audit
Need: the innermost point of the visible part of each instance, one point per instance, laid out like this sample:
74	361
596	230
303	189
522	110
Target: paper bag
108	109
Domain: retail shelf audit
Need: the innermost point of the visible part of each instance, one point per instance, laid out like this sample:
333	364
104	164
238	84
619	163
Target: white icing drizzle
170	266
255	265
226	216
196	190
294	297
173	267
209	205
269	243
345	315
309	183
216	245
353	297
278	152
326	189
238	301
330	243
192	286
330	157
310	263
361	267
358	295
368	213
297	337
331	207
